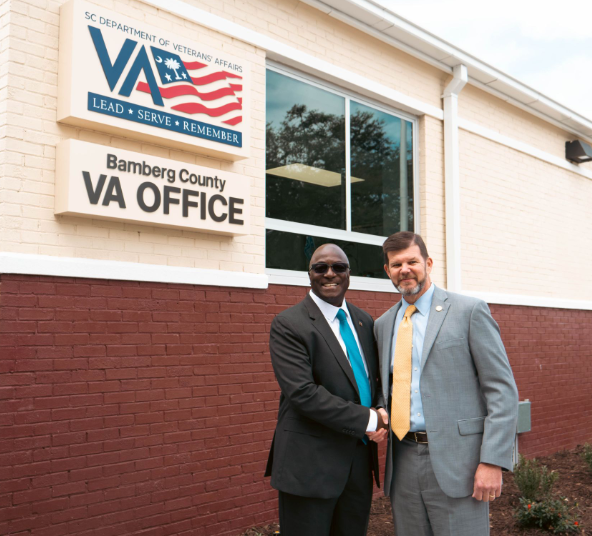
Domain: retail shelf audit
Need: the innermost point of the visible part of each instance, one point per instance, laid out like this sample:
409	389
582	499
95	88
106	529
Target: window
337	170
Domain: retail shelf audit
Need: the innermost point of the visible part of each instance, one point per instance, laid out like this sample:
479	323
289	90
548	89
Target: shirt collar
423	304
329	311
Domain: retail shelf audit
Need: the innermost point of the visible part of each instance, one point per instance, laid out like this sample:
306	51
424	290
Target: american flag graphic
196	88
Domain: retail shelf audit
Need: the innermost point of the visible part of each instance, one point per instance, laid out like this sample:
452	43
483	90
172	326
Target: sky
545	44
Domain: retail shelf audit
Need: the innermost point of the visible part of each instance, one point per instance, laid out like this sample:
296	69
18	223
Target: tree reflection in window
305	162
382	203
305	158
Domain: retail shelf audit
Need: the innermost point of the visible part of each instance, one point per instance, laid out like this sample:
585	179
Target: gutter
452	177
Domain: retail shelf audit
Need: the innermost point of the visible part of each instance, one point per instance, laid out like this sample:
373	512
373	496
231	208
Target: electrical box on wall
524	416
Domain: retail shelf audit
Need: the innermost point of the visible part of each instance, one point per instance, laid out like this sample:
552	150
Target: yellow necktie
401	399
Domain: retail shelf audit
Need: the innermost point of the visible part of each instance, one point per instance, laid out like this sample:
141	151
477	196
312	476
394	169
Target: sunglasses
323	267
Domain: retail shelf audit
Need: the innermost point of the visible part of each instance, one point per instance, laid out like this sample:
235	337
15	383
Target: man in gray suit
452	401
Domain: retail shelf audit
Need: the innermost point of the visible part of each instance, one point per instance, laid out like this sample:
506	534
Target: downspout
452	177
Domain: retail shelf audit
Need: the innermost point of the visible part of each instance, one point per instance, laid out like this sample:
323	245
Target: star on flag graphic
196	88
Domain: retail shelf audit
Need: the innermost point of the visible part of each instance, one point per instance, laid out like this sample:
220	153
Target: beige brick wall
491	112
4	101
432	201
31	134
525	223
510	202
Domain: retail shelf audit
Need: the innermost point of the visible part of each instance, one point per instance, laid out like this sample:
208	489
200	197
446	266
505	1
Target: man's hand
381	426
377	437
488	482
382	415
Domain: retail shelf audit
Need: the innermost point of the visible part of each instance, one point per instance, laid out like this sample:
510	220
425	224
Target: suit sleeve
293	370
380	401
497	385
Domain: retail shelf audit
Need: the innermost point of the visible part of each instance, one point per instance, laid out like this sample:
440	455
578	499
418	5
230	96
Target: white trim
489	134
348	198
322	232
286	54
300	279
18	263
529	301
416	193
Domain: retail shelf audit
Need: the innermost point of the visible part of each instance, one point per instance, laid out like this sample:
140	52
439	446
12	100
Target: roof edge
378	21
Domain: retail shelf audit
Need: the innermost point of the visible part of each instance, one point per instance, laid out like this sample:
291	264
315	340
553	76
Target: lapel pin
360	324
439	308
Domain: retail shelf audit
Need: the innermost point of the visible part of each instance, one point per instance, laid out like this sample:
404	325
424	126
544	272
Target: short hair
403	240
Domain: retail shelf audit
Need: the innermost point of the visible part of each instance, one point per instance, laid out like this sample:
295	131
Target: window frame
299	278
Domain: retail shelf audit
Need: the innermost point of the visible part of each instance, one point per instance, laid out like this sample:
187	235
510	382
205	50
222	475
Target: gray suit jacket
469	396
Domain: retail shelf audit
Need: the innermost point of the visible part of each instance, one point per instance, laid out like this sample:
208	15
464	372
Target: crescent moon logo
158	59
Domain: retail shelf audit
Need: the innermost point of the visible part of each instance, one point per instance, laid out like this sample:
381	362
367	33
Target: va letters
212	207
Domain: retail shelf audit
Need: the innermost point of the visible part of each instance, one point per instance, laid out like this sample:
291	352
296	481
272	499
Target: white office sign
119	75
108	183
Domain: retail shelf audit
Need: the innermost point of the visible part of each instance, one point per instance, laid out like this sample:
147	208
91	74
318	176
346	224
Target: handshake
382	415
382	426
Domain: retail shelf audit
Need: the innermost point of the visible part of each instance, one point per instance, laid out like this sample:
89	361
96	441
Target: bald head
328	249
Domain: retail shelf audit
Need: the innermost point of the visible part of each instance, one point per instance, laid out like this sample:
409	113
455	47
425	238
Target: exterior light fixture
578	152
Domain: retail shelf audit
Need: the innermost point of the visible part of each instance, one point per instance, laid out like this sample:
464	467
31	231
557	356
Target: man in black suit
324	448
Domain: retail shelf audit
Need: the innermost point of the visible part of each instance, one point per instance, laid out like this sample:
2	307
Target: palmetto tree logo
173	65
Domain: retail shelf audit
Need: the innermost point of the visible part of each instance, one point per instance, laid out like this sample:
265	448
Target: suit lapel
440	299
362	332
321	325
387	344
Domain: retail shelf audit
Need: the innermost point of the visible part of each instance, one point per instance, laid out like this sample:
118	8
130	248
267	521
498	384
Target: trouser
346	515
420	507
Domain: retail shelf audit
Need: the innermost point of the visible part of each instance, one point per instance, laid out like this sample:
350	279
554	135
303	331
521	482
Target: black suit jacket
320	418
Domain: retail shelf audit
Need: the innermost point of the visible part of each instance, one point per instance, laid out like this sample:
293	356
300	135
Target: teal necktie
355	359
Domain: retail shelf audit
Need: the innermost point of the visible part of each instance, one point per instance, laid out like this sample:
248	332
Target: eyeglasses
323	267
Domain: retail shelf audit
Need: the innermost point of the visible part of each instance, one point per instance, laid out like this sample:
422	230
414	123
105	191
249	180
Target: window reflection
382	202
289	251
305	153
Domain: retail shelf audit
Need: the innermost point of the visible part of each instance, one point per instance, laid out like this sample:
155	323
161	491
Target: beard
412	291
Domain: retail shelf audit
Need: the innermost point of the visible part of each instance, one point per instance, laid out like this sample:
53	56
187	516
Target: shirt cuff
372	422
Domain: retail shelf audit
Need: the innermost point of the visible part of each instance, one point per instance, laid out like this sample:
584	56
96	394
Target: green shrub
534	482
553	515
587	455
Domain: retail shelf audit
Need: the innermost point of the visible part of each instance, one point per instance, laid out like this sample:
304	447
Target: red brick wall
550	351
148	409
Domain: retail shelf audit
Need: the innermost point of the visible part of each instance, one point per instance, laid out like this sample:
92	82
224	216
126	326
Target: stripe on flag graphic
198	88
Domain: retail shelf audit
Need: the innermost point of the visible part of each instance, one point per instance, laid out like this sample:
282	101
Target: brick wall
148	409
550	351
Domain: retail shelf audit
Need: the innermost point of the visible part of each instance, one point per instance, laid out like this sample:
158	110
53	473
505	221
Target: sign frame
111	78
102	182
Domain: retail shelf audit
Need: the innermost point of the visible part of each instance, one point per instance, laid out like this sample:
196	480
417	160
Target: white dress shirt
330	313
